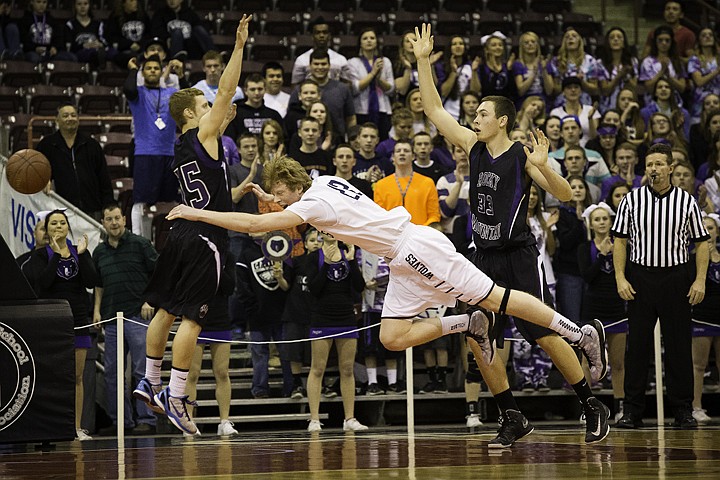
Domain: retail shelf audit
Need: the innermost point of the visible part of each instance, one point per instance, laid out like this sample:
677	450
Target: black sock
432	373
506	401
441	372
582	390
471	408
297	380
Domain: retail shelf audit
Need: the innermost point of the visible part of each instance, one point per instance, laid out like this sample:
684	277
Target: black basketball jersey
499	193
204	182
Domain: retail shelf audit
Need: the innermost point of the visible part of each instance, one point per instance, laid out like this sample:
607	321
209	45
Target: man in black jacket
79	171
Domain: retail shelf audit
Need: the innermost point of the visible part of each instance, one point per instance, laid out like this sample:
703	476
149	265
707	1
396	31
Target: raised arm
237	221
211	124
540	170
432	104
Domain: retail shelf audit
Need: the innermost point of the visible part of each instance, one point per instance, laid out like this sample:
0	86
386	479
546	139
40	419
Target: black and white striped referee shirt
659	228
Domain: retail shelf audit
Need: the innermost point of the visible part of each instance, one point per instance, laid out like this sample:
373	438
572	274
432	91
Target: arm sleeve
589	270
358	282
88	273
317	278
130	88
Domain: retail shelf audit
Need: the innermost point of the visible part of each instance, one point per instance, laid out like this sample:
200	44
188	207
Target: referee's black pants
660	292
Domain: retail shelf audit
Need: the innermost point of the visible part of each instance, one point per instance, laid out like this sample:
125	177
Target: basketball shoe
513	427
176	410
479	329
592	345
596	420
145	392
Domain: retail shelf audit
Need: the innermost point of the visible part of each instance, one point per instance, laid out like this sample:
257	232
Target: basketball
28	171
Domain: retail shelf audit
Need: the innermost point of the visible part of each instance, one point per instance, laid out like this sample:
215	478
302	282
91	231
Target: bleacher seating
16	73
97	100
12	100
45	99
67	74
115	143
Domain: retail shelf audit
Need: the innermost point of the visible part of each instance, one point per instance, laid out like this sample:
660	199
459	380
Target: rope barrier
325	337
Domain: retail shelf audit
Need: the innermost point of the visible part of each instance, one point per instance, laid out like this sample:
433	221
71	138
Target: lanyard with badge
159	123
404	192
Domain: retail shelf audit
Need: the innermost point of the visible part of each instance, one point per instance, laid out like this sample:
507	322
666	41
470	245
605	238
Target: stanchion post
120	379
659	377
410	391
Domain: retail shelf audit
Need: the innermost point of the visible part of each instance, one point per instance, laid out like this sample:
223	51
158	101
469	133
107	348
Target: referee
659	220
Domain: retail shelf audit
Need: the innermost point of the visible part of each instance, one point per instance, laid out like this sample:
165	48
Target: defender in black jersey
501	172
187	274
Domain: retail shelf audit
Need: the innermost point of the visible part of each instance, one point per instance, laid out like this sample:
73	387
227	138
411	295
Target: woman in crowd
530	70
706	323
617	68
531	114
334	280
552	132
86	36
469	102
703	69
296	315
405	67
702	137
421	122
630	119
661	128
608	138
64	271
456	75
570	234
572	61
126	27
663	62
665	100
601	300
495	71
617	192
712	165
372	82
271	143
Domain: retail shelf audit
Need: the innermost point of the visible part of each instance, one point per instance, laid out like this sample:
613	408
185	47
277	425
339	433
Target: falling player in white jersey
425	269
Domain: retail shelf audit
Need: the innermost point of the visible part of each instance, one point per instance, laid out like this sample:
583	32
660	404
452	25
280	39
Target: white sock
178	379
153	367
454	323
392	376
566	328
136	216
372	375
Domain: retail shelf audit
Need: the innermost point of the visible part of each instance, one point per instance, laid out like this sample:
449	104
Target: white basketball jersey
334	206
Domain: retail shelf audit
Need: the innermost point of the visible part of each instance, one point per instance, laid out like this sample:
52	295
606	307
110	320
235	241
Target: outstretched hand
259	192
241	35
423	42
182	211
541	145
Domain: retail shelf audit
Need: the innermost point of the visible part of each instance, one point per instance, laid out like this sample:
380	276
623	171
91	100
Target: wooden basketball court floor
553	451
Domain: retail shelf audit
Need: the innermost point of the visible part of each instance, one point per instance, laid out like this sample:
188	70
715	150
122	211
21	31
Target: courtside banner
19	215
37	371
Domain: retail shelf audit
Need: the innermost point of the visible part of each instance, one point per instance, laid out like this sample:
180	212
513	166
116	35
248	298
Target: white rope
248	342
241	342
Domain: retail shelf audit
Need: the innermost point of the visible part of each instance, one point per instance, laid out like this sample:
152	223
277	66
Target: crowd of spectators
362	119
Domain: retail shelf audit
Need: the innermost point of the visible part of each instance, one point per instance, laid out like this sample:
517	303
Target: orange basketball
28	171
